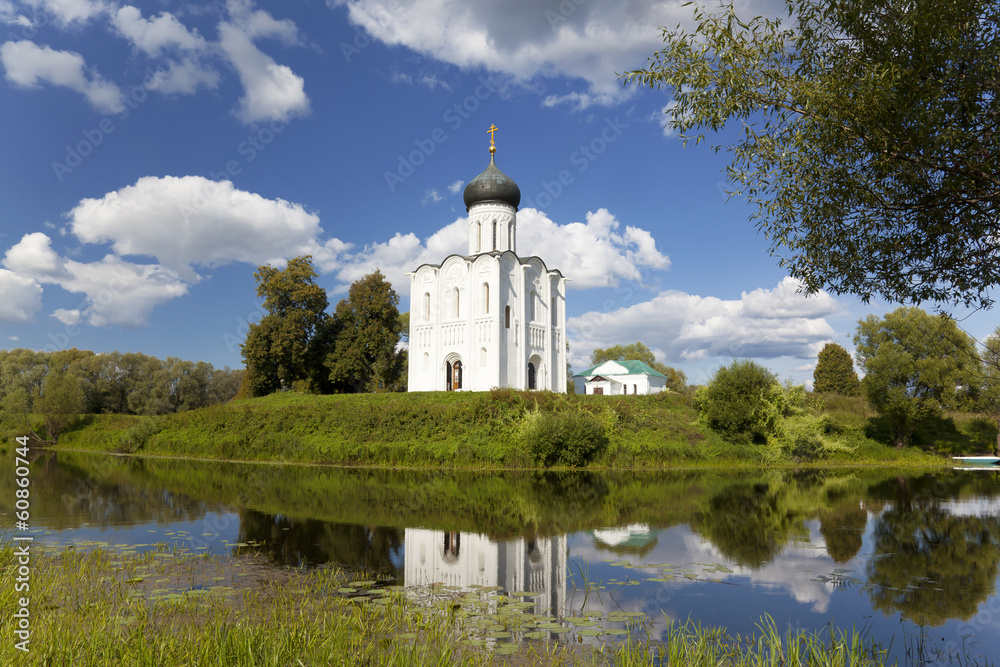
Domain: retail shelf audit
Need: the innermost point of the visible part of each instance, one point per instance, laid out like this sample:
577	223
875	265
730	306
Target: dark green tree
835	372
870	143
916	365
286	348
743	402
364	356
931	566
989	383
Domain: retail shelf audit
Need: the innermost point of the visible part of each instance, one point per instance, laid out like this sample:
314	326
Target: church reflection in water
536	565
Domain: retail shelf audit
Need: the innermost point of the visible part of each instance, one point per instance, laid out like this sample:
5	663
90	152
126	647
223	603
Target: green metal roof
634	366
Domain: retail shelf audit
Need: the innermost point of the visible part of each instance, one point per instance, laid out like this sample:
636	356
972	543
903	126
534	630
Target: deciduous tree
743	402
364	356
282	348
915	364
835	372
869	144
990	382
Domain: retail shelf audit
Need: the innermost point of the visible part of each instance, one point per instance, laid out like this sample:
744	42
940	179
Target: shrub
572	438
742	402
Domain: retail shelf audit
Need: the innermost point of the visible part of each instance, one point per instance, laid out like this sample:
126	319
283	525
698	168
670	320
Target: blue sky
155	153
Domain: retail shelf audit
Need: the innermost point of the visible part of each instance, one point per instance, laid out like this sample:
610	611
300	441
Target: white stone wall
458	312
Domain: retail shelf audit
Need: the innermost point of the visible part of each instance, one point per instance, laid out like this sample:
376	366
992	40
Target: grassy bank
164	609
507	429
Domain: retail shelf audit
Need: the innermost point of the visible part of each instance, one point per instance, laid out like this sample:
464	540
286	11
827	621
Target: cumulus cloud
22	298
598	252
270	90
115	291
29	65
155	36
69	12
764	323
190	220
69	317
589	41
431	197
455	187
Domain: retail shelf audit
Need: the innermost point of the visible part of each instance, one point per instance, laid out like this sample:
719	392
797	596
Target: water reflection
528	564
807	547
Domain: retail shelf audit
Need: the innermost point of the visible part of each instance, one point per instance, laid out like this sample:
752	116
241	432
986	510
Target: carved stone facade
490	318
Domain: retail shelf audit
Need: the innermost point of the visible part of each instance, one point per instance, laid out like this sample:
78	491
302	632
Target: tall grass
163	609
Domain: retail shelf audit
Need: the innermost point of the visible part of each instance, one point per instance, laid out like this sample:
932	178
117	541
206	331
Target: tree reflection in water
308	541
930	565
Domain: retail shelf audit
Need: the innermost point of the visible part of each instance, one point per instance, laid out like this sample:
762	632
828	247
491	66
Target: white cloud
69	11
598	251
115	292
10	16
29	65
595	254
183	76
455	187
271	91
156	35
765	323
22	298
162	35
68	317
183	221
431	197
590	41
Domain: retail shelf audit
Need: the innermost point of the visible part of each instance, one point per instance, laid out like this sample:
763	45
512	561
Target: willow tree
916	365
869	144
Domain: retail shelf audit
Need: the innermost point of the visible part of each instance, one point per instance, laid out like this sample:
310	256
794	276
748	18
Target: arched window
555	320
635	389
479	236
531	375
482	356
506	317
455	297
427	306
486	298
494	234
534	298
427	361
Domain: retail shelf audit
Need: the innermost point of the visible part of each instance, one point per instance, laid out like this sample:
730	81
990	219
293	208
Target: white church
490	318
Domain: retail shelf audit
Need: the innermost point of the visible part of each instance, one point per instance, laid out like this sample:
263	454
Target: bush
572	438
743	402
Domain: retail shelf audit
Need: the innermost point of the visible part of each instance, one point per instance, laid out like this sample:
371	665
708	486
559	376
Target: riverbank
508	429
165	608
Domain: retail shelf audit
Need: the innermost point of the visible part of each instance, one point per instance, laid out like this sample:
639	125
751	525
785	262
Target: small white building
490	318
620	378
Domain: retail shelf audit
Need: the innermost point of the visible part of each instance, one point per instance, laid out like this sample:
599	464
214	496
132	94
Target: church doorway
531	375
453	375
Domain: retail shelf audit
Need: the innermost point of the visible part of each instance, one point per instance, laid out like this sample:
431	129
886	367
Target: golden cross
493	128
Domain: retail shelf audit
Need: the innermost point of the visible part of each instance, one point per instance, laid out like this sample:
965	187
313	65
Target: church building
490	318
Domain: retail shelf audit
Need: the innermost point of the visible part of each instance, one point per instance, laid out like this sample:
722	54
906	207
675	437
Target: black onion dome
492	185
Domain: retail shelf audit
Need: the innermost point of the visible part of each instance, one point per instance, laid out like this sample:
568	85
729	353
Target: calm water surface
906	558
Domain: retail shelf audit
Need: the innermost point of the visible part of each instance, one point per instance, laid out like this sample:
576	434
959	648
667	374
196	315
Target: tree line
298	346
916	366
60	385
